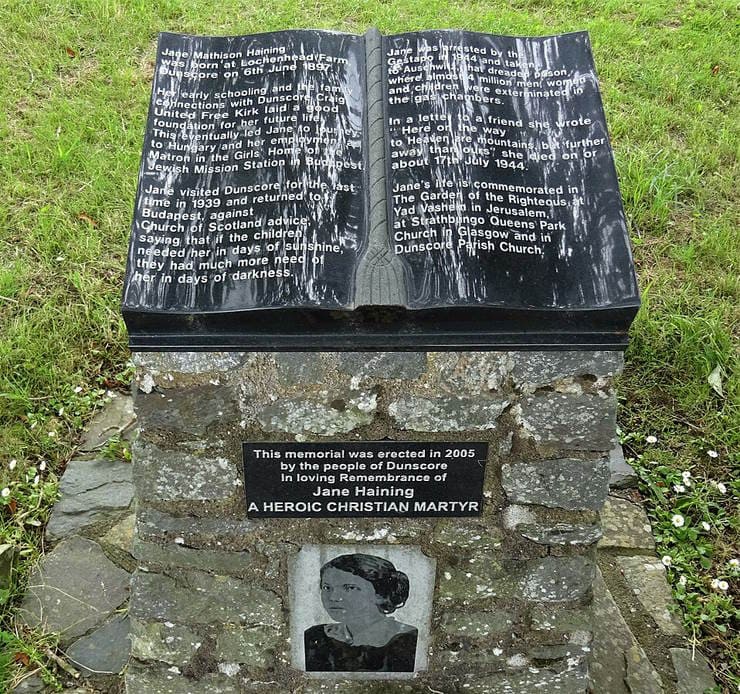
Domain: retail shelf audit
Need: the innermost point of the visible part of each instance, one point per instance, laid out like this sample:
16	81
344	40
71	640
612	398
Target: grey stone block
326	417
174	644
117	418
561	534
647	579
75	588
254	647
172	681
187	410
692	671
583	421
565	483
211	560
557	579
383	365
216	533
200	598
188	362
641	678
478	626
443	413
572	679
294	368
625	525
463	535
104	651
472	372
622	473
121	535
180	476
535	369
92	491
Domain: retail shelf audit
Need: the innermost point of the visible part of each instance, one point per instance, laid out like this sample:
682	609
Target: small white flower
666	560
78	389
721	488
706	526
677	520
61	412
5	492
651	439
686	475
713	454
679	488
42	465
36	480
52	434
734	563
12	464
682	581
719	585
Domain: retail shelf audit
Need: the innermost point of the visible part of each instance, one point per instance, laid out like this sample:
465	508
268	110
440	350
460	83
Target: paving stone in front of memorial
74	589
105	650
613	642
625	525
92	492
647	579
692	671
117	418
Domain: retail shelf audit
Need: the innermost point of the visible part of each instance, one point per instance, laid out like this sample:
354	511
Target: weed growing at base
75	90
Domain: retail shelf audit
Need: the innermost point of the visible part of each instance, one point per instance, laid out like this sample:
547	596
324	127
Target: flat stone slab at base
92	491
117	418
75	588
692	671
625	525
103	652
647	579
618	664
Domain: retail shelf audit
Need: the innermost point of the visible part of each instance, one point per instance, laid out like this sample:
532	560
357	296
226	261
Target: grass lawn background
74	88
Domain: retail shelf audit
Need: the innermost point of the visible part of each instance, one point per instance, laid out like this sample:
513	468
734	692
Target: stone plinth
213	599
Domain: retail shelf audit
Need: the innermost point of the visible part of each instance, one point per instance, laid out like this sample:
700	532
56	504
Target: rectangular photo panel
360	611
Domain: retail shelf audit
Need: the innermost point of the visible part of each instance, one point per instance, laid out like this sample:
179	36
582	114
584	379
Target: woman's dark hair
390	585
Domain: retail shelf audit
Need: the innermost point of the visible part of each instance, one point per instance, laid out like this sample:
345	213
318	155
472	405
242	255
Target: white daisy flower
12	464
721	488
713	454
42	465
706	526
666	560
682	581
78	389
5	493
679	488
678	520
651	439
36	480
734	563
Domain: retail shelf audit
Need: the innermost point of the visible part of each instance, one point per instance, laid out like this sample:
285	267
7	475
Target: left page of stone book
251	192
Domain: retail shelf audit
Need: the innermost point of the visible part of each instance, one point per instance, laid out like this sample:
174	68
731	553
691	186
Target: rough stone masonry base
210	609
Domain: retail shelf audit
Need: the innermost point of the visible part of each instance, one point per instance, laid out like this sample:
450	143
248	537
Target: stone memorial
377	292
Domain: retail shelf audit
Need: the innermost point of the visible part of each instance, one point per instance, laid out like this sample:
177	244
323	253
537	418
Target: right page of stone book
502	189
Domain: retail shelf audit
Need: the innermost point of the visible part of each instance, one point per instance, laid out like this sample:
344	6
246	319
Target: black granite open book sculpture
432	190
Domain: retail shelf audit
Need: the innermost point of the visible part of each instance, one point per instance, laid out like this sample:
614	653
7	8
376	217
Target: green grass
74	85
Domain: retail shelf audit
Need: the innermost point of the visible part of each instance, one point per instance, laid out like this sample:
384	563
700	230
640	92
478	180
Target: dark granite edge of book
381	328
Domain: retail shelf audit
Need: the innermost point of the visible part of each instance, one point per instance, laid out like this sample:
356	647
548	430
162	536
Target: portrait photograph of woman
366	622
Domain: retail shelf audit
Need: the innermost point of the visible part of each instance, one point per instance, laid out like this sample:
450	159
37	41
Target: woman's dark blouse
325	654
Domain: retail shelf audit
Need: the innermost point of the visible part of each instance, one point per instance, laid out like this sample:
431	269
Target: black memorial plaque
364	479
432	190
